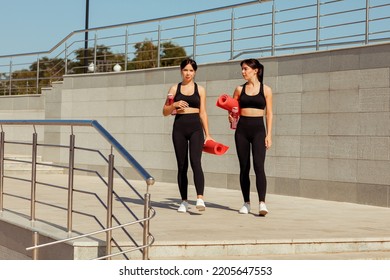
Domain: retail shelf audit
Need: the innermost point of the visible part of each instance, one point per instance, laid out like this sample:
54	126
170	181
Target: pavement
295	228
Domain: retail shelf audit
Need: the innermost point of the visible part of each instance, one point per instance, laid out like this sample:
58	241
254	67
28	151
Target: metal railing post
145	251
109	202
33	175
95	52
232	36
70	182
159	46
37	87
2	138
35	240
66	58
126	46
194	39
318	23
273	31
367	22
10	77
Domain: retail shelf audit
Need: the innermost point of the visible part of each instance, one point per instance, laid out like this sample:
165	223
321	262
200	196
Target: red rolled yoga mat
215	148
226	102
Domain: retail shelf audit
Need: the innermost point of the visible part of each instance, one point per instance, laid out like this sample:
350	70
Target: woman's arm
269	116
168	109
236	95
237	92
203	113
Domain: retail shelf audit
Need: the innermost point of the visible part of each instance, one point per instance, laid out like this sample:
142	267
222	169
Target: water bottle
234	114
170	102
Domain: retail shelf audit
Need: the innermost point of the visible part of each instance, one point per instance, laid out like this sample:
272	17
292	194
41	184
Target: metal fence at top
251	29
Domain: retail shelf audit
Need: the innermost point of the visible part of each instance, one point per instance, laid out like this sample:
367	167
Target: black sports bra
193	100
252	101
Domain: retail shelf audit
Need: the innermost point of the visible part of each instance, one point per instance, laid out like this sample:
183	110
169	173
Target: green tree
105	59
146	55
3	84
50	69
22	82
172	54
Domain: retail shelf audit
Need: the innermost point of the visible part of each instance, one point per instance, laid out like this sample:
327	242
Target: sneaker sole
200	207
263	213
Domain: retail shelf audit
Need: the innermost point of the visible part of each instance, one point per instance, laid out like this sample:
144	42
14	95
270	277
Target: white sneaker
200	205
183	207
263	209
245	208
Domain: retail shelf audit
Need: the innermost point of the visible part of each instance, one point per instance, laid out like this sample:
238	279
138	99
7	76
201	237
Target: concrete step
332	248
368	255
202	252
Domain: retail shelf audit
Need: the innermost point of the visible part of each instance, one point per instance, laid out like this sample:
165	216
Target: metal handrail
234	37
95	124
147	237
130	23
36	247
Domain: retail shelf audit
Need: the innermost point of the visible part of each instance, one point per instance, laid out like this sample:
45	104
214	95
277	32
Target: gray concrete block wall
331	121
341	112
19	108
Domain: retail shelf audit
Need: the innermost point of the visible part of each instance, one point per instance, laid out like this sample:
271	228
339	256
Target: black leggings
251	130
188	132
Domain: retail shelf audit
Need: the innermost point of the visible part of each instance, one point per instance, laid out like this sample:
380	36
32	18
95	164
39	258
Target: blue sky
37	25
28	26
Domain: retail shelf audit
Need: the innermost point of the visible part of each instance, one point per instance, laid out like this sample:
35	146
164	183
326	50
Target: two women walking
191	130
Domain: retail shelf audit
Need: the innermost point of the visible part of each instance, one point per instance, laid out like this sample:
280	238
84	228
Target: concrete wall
331	122
21	107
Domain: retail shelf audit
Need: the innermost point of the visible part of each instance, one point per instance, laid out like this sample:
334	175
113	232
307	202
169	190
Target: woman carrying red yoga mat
190	131
254	99
212	147
226	102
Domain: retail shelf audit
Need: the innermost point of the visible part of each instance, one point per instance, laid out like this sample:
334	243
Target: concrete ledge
17	234
248	248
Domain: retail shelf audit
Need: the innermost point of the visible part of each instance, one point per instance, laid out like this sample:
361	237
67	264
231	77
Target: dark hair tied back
187	61
255	64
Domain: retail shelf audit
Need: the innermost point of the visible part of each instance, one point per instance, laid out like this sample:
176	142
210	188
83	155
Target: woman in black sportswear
190	131
255	101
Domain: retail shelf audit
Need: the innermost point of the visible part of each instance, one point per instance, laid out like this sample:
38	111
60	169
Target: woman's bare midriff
188	110
251	112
